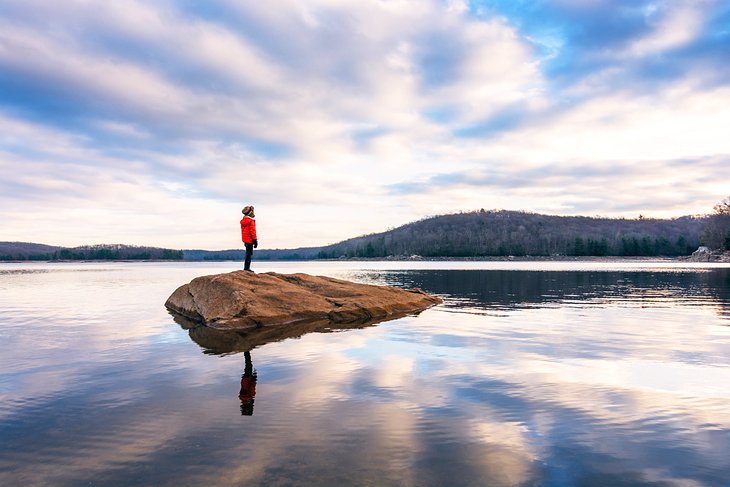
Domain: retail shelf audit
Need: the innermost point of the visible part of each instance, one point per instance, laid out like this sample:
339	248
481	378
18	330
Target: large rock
702	254
705	254
243	300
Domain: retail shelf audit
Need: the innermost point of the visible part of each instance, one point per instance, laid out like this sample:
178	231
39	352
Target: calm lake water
529	374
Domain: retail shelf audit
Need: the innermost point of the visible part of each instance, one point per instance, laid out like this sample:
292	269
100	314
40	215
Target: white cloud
676	27
313	114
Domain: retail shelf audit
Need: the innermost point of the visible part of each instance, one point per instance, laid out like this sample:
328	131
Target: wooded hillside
504	233
30	251
495	233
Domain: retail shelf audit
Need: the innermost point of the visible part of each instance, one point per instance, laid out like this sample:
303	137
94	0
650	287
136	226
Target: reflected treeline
718	285
518	289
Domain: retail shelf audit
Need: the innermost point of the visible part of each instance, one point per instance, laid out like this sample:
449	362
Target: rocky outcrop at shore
705	254
243	300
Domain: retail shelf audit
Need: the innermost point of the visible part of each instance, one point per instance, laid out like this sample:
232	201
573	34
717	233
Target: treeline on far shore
21	251
512	233
474	234
502	233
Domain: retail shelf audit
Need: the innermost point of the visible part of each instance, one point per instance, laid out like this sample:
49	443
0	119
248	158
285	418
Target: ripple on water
519	378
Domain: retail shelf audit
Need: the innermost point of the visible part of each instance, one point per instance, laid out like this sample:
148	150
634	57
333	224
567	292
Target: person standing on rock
248	235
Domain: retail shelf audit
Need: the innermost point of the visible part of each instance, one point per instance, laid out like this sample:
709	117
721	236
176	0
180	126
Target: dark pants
249	253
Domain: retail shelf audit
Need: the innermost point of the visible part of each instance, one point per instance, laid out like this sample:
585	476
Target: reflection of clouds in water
397	436
394	432
517	378
684	334
683	379
393	372
619	357
629	431
623	391
67	323
390	441
507	460
314	386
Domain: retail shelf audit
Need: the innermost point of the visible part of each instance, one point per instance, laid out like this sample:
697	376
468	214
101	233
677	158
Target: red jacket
248	229
248	388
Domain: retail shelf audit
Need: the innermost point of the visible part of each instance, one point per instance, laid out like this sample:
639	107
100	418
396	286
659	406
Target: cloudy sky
155	122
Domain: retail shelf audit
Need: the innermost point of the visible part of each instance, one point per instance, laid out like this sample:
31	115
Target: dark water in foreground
562	375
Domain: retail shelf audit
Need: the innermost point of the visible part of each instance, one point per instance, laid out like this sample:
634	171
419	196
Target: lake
529	374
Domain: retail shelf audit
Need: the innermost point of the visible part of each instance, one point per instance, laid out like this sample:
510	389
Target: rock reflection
224	342
504	289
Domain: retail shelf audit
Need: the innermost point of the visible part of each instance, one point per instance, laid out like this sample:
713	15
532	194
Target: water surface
529	374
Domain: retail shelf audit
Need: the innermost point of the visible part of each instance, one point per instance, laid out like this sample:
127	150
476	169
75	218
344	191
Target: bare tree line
18	251
481	233
505	233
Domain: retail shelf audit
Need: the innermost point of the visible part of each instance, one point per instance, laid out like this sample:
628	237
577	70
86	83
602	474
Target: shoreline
719	258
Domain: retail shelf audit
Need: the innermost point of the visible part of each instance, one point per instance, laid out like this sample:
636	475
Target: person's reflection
248	387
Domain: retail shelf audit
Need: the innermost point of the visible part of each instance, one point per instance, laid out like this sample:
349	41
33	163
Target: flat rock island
242	300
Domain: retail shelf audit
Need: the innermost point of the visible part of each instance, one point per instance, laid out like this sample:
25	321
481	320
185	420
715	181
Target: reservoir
528	374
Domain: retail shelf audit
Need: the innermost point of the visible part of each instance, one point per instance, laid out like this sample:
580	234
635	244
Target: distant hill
11	251
504	233
25	251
